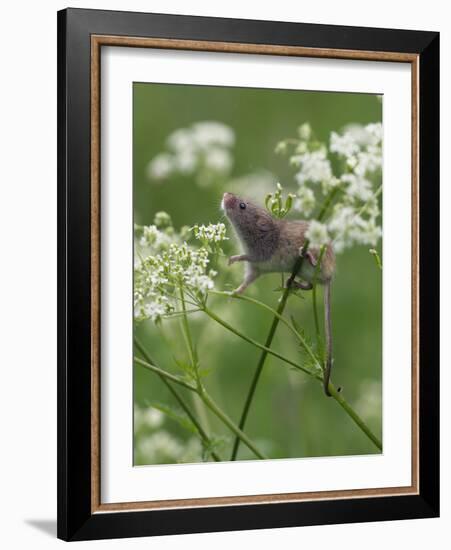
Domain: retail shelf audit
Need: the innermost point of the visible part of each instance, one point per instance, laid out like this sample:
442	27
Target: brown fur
273	245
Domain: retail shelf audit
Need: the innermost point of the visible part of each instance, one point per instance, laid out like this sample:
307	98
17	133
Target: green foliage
289	409
275	205
175	414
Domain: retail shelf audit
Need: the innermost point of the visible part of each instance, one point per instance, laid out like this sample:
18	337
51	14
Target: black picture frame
76	520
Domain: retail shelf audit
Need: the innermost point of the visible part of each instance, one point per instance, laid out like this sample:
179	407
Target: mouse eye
243	206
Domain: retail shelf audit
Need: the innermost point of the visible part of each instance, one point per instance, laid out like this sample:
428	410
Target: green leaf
267	199
307	360
204	372
188	369
289	202
175	414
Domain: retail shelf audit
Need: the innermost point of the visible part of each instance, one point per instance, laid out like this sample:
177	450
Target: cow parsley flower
186	162
218	160
146	418
355	212
349	227
162	219
357	187
209	133
168	266
344	145
159	447
161	166
180	140
360	147
202	150
305	131
305	200
212	233
317	234
154	239
368	161
314	167
366	232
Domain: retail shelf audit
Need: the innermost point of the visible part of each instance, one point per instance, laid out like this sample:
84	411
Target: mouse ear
264	223
266	236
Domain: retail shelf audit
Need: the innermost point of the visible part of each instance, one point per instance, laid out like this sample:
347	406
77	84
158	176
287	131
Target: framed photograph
248	274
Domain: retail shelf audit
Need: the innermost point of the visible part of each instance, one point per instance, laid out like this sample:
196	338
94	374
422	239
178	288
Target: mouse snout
228	201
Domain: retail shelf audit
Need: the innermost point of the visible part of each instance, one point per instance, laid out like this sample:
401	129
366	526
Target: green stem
230	424
377	258
167	375
282	319
187	333
205	399
208	402
265	349
327	203
203	435
274	325
335	394
198	404
355	417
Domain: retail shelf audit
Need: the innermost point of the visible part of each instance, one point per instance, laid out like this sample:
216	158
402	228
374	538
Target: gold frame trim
97	41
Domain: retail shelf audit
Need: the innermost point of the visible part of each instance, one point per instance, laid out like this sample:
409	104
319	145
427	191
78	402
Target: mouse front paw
234	259
238	258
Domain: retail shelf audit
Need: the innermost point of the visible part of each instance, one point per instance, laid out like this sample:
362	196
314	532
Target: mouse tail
328	334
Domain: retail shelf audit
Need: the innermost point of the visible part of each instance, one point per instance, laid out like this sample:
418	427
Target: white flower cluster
146	418
154	444
161	447
360	146
212	233
317	234
154	239
355	212
171	266
202	150
313	167
305	200
159	278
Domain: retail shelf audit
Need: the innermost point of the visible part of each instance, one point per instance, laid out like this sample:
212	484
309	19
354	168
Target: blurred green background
290	416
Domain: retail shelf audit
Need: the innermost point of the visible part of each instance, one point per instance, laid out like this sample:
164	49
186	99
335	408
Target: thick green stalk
181	402
275	323
266	349
355	417
230	424
335	394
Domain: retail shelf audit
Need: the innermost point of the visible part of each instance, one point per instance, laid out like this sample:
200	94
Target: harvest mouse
273	245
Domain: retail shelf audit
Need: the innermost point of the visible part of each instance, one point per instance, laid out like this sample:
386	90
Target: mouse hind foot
249	277
300	285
